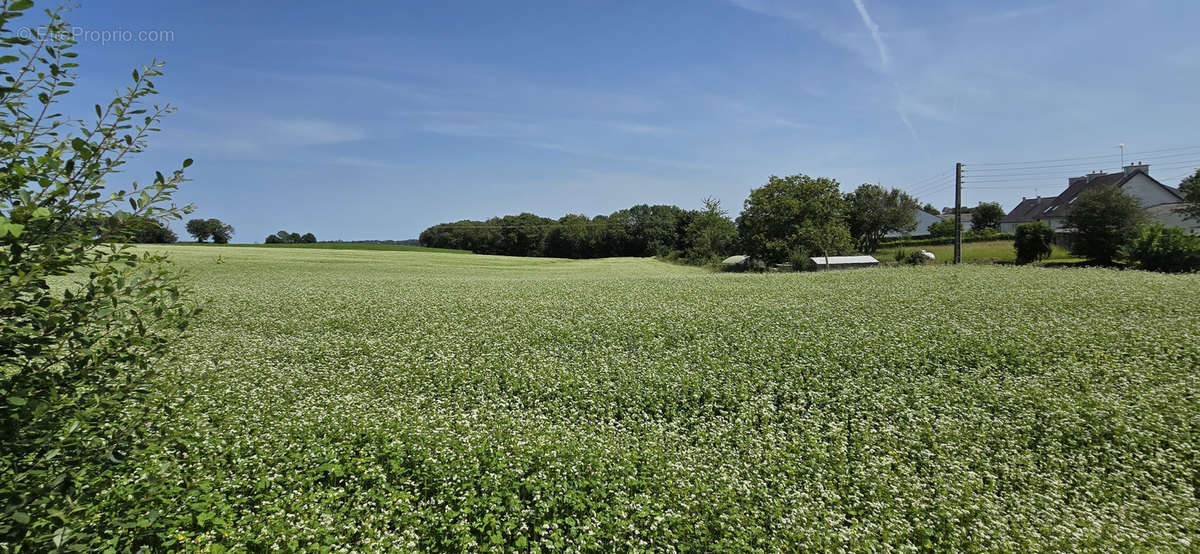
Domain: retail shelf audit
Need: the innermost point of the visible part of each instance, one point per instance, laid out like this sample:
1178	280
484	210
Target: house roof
1076	186
1028	209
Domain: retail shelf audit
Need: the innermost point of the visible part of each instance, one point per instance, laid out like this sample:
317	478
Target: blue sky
374	120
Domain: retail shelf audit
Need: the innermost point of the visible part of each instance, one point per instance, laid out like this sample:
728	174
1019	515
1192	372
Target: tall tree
1104	219
987	215
873	212
790	212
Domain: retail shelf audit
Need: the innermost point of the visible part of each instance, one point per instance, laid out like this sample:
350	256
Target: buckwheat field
370	400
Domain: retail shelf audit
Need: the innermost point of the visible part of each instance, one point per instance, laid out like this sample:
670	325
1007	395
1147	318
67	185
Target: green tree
873	212
987	215
308	238
711	233
76	359
219	231
199	229
942	229
144	230
1104	220
929	209
1034	241
790	212
1190	187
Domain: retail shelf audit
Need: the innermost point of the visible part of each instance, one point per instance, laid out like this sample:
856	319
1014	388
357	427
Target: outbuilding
843	262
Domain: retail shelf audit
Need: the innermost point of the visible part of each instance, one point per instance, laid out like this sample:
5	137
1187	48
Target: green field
371	401
974	252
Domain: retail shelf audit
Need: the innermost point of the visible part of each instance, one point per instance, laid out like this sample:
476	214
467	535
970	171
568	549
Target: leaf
9	59
20	5
187	162
60	535
16	401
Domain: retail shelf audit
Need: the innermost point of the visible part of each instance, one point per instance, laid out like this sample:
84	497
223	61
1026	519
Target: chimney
1144	168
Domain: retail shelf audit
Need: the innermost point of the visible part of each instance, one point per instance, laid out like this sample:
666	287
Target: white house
1159	200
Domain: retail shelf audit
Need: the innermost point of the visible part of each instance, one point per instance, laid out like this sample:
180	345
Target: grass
986	252
344	246
371	401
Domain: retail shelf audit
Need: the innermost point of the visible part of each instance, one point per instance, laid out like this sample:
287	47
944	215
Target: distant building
924	220
1025	212
966	219
843	262
1160	201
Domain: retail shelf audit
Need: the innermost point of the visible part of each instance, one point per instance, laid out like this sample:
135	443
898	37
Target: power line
1097	157
1158	158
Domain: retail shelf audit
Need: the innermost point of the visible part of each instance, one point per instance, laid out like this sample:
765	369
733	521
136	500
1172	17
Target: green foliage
1033	242
85	323
693	236
987	215
204	229
1190	187
930	209
942	229
376	401
711	234
1104	220
790	212
1166	249
284	237
873	212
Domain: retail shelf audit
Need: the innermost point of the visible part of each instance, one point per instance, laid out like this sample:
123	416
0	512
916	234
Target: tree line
284	237
787	219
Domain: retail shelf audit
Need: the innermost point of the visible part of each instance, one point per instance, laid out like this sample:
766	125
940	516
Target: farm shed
843	262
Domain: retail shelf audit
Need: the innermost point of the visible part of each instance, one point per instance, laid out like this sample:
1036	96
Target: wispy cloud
873	28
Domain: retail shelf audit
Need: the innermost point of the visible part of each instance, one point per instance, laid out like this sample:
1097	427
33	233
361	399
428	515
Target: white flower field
371	400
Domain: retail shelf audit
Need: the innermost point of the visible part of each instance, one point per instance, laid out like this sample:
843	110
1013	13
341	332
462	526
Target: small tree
1104	219
272	239
199	229
308	238
1167	249
1034	242
76	358
987	215
930	209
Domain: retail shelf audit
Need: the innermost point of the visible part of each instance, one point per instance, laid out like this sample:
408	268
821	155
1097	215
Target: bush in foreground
84	321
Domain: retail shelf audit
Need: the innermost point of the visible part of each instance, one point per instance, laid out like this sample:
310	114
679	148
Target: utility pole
958	213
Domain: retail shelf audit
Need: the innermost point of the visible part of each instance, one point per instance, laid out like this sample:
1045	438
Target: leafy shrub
1166	249
916	257
1033	242
942	229
84	322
